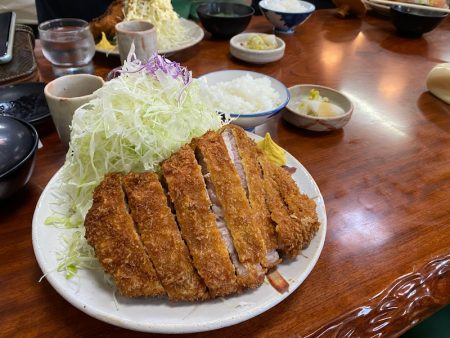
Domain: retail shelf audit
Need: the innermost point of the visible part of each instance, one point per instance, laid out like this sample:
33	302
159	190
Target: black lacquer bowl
413	22
18	145
223	19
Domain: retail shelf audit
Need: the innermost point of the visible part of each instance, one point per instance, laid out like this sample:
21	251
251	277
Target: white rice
245	95
288	6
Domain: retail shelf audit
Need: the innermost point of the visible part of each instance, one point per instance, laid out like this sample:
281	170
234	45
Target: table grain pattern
385	179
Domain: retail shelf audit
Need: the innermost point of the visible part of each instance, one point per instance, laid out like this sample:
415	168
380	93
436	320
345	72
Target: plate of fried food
220	235
173	32
167	218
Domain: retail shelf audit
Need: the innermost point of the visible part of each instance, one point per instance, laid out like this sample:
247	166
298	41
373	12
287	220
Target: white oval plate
90	293
196	35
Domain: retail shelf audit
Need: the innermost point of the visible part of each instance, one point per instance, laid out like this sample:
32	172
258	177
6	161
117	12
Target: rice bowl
249	119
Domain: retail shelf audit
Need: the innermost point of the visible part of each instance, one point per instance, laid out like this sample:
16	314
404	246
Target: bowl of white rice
250	98
286	15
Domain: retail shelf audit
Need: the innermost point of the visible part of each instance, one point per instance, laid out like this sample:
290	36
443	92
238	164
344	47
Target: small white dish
317	123
250	121
239	51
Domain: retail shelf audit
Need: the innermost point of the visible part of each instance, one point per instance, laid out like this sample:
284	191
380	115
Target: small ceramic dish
240	51
250	121
317	123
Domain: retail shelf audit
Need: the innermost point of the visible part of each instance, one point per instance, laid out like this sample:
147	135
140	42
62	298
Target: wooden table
385	178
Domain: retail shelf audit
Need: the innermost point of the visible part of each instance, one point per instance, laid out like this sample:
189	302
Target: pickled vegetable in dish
261	42
316	105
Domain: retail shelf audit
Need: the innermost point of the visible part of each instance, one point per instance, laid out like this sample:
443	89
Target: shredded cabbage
136	120
169	28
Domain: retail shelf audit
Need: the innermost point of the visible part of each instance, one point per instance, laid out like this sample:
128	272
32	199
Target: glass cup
68	44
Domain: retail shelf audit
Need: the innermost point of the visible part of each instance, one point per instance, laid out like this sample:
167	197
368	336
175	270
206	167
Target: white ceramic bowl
286	21
238	50
317	123
250	121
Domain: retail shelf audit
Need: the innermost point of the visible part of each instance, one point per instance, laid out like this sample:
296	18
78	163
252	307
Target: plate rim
178	328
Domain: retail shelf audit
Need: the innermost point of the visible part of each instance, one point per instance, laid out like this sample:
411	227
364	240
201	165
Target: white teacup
438	81
65	94
141	33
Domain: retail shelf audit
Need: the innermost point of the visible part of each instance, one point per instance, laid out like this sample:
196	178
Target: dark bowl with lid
414	22
18	145
224	19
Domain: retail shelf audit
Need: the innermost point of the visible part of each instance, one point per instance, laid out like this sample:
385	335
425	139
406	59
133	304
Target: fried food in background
107	21
225	219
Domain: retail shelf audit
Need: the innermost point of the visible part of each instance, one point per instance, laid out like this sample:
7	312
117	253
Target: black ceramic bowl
19	142
224	19
414	21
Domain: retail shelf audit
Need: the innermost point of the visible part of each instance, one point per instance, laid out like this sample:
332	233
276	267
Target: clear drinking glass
68	44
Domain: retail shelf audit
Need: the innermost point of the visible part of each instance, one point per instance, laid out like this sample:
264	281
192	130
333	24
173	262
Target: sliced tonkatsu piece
289	231
300	206
244	155
238	215
110	231
197	222
230	197
249	275
161	237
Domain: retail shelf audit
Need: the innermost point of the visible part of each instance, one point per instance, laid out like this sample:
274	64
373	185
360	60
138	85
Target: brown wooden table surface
385	179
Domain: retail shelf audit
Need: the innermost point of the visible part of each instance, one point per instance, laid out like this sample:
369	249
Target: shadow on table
332	137
434	110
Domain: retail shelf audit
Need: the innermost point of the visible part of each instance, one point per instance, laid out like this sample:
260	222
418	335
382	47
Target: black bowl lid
25	101
17	141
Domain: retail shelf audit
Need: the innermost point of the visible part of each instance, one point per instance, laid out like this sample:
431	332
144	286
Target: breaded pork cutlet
244	155
293	213
289	232
232	201
300	206
110	230
107	21
197	222
159	233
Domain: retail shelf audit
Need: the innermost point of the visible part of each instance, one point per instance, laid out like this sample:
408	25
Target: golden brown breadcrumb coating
249	153
197	222
289	231
161	237
238	215
110	230
210	225
300	206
